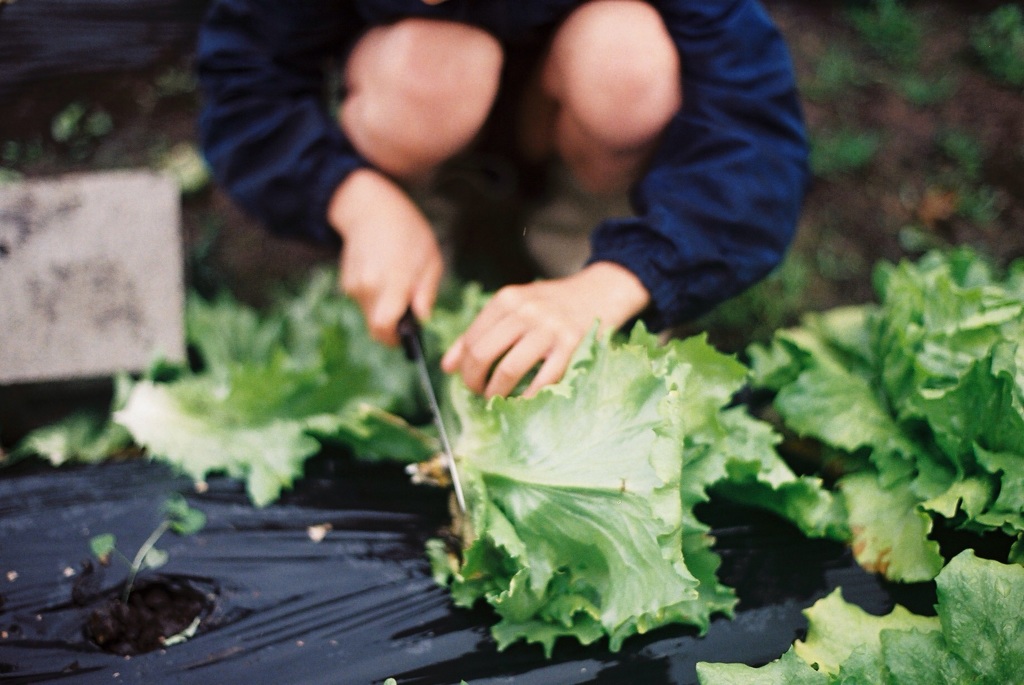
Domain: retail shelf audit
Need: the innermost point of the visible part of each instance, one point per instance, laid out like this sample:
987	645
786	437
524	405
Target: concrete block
91	275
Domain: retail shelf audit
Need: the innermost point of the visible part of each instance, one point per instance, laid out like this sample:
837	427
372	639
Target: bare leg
609	85
418	92
606	90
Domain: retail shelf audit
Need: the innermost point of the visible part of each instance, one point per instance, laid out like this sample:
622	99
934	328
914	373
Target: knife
412	342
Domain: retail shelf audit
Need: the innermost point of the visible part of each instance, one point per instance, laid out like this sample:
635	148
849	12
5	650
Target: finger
516	363
480	354
384	315
453	357
425	294
505	304
365	299
355	285
551	371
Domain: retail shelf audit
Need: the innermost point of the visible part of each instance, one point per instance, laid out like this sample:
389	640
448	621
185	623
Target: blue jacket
715	212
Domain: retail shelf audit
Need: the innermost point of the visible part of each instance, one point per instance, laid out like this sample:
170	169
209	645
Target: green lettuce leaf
80	437
789	669
890	531
916	658
836	629
977	637
755	476
980	607
188	425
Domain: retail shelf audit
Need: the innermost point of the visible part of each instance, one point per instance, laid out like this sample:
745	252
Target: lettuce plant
919	402
273	387
581	499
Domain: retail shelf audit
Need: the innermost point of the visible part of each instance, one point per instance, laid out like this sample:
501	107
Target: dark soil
910	195
157	609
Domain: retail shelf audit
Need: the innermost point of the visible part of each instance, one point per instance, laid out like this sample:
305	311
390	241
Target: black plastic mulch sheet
357	607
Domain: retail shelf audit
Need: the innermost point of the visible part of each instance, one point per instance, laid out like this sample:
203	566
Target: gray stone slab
91	276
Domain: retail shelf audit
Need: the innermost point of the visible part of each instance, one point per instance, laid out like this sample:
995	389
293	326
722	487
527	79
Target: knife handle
409	332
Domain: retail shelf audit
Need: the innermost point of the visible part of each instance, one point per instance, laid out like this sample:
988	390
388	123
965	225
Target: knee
418	91
616	72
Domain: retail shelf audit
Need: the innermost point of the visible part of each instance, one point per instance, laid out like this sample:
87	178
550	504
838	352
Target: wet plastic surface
359	606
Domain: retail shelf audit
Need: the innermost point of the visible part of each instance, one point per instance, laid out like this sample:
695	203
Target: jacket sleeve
264	128
719	205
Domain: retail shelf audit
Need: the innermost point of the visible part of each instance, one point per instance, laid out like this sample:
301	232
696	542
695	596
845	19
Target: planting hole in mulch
161	611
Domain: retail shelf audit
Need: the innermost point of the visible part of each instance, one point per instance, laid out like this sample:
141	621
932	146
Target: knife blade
412	342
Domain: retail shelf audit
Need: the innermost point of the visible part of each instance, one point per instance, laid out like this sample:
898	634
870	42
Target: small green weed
922	91
980	204
76	121
998	41
892	31
179	518
835	261
10	151
15	152
204	274
916	238
836	73
79	126
976	201
175	82
842	152
964	150
188	168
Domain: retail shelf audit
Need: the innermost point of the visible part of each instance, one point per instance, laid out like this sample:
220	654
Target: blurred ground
916	145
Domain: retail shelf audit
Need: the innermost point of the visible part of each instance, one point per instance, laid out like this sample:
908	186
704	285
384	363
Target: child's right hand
390	259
